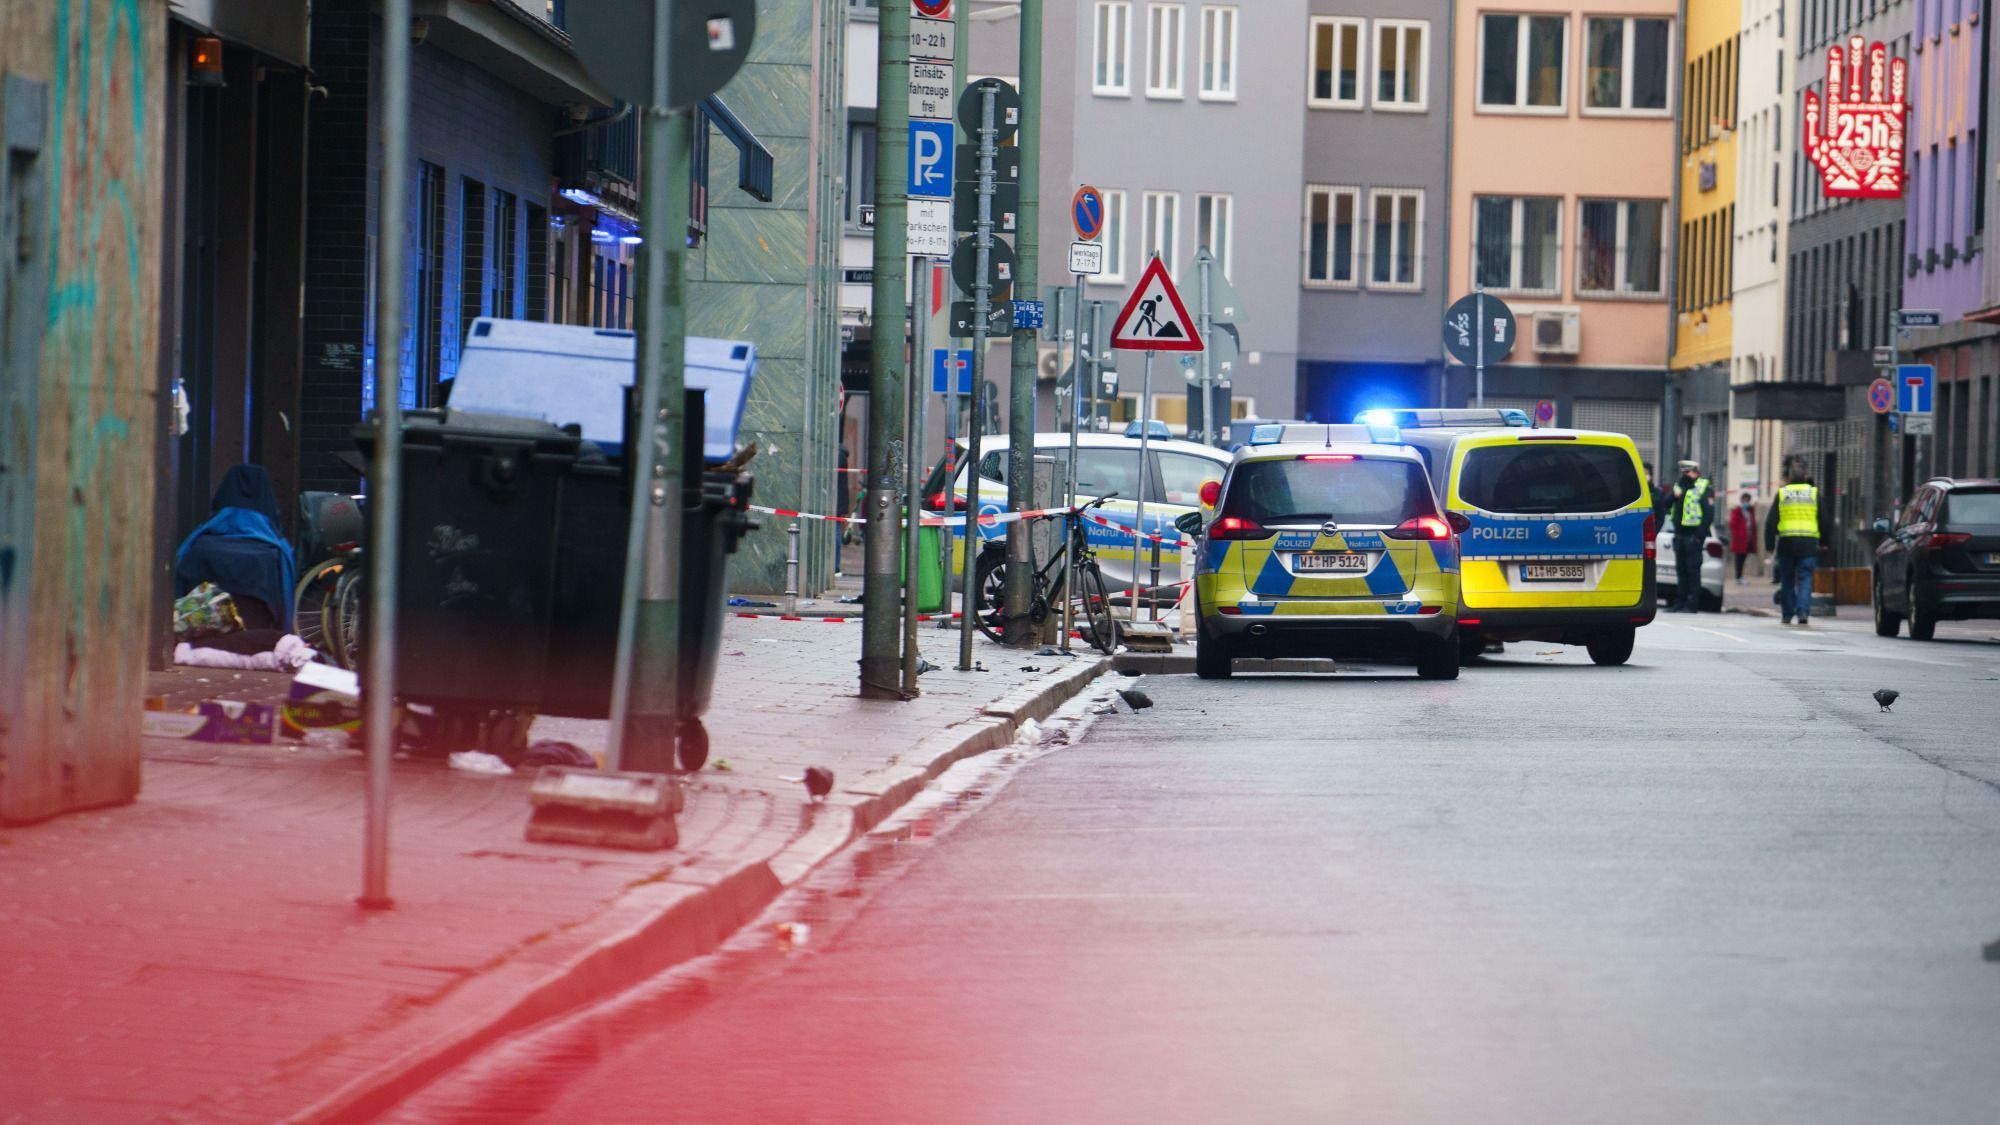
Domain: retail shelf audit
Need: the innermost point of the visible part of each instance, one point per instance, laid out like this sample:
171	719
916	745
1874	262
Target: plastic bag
205	611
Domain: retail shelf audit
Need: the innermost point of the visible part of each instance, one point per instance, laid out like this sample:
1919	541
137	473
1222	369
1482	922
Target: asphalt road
1714	886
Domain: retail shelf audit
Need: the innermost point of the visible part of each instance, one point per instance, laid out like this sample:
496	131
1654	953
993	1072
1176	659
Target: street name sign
1464	321
1086	259
1154	318
1919	318
1884	357
936	40
930	159
1915	383
928	227
931	87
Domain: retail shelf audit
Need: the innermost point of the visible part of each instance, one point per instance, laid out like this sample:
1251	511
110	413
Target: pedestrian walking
1693	514
1742	531
1791	534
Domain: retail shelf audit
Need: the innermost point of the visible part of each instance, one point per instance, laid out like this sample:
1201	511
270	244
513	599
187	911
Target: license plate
1552	572
1993	559
1325	561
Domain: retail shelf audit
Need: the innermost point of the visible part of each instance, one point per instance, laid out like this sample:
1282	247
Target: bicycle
1098	628
326	605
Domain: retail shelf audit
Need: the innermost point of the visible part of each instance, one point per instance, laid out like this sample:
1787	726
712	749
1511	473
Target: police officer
1792	533
1693	514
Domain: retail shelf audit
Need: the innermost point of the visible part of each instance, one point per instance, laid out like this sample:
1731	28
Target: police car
1559	537
1326	542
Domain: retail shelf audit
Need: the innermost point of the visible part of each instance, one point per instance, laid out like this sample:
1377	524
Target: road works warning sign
1154	319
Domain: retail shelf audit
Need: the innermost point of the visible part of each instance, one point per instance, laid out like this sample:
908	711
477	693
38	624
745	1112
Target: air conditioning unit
1558	331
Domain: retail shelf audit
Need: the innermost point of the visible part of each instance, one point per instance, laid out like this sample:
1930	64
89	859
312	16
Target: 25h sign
1855	137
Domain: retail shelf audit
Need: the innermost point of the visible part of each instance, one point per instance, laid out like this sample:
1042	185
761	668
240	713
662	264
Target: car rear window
1972	508
1538	477
1362	491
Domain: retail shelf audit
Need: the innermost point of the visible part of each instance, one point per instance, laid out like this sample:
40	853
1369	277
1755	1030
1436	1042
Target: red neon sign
1855	138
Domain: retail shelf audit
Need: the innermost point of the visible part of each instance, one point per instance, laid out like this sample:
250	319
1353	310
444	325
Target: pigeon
819	782
1135	699
924	666
1886	697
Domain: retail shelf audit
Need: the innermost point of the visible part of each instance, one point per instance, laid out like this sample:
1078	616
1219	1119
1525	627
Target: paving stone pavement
197	956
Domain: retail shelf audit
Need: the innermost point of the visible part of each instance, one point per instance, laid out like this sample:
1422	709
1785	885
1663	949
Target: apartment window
1626	65
1218	54
1336	63
428	337
1517	243
1114	50
1522	62
1213	226
1164	44
471	252
860	169
1113	239
1333	245
1619	247
1395	226
538	264
503	240
1162	217
1400	75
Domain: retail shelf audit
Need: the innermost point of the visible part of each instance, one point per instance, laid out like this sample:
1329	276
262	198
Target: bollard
792	569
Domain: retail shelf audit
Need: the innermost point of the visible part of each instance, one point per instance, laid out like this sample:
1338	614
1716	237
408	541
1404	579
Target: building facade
1577	243
1763	195
1705	247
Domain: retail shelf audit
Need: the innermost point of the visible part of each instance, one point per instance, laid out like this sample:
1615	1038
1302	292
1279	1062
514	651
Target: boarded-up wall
71	731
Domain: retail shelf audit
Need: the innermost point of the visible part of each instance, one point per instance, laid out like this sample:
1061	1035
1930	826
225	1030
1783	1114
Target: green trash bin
930	568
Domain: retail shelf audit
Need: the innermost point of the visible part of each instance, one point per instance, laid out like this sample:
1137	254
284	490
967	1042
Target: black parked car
1941	559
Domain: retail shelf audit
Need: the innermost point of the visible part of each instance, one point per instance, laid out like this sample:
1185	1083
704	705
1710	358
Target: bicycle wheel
1100	629
347	610
311	601
989	595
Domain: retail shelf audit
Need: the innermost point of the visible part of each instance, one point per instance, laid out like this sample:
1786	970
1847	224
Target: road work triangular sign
1154	320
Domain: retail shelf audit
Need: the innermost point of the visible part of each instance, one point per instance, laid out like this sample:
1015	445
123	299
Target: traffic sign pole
1479	337
982	301
887	443
1023	354
914	401
1145	458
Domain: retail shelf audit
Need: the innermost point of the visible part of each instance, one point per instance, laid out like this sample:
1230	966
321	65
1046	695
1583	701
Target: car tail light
1470	621
1714	548
1943	539
1652	537
939	503
1327	457
1422	527
1236	527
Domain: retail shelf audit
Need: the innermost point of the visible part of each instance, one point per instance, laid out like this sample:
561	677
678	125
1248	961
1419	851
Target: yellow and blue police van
1174	473
1559	539
1326	541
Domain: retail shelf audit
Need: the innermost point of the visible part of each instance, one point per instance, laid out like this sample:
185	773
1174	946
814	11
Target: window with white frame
1523	63
1113	53
1625	65
1335	80
1620	245
1113	238
1517	243
1218	54
1164	45
1401	79
1333	243
1395	234
1162	219
1212	227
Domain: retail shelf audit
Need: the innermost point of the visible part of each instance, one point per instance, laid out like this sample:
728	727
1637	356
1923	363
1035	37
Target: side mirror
1211	491
1188	523
1459	521
1881	526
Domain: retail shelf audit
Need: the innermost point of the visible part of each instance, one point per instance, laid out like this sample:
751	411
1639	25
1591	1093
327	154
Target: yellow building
1705	243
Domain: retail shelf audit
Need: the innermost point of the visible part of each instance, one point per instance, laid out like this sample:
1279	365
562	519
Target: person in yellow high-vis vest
1692	513
1792	535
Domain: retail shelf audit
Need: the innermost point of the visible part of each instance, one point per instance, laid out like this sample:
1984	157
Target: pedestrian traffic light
205	62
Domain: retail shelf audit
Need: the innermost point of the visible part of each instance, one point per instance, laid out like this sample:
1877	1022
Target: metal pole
385	484
1479	343
1206	327
792	569
1071	519
913	499
1022	355
982	301
1145	459
887	444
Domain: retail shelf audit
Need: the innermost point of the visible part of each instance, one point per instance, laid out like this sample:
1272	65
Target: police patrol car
1325	542
1559	537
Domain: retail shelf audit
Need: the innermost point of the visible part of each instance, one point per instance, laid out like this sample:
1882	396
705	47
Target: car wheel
1214	657
1612	648
1437	657
1886	621
1923	625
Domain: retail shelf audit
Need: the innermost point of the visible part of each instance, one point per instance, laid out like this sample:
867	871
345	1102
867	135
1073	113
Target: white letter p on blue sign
930	159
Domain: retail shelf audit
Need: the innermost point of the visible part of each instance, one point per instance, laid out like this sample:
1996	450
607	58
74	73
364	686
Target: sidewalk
197	956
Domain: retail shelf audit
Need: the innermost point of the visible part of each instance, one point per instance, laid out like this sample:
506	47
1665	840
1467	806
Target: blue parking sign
930	159
1915	384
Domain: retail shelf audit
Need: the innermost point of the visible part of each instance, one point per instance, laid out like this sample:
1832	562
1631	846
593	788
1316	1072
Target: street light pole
1019	629
887	446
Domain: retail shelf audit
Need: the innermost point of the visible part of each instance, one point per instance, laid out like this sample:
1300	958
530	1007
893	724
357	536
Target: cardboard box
216	720
323	698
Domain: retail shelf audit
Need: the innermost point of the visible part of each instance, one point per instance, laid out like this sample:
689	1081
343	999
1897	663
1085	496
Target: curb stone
685	913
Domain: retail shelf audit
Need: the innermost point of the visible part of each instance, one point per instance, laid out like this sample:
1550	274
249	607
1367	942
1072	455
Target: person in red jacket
1742	531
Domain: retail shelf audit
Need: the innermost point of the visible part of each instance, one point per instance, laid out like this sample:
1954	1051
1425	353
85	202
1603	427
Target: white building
1763	216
